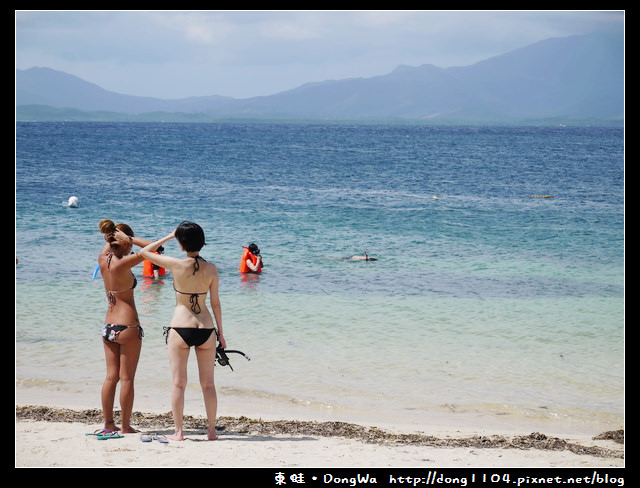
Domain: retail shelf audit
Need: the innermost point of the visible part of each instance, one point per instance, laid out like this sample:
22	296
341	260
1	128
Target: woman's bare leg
108	393
130	346
206	355
178	358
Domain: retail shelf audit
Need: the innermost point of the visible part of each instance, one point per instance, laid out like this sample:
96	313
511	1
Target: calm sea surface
484	297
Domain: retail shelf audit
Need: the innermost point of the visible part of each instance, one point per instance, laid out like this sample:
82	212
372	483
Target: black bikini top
193	297
111	293
196	264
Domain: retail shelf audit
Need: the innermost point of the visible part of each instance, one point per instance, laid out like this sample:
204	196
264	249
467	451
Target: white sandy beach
61	444
49	433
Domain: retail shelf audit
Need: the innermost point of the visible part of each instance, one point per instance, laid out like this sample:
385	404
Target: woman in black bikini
192	324
121	333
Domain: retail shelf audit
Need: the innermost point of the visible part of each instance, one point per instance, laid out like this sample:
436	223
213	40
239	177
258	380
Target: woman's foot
178	436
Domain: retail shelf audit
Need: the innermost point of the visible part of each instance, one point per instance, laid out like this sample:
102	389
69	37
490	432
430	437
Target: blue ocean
498	287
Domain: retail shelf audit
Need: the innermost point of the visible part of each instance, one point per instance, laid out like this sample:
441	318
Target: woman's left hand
121	236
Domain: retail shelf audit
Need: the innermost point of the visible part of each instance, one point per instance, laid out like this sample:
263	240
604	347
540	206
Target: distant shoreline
45	113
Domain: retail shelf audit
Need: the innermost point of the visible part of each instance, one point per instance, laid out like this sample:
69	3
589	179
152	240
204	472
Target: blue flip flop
100	432
160	438
146	437
110	435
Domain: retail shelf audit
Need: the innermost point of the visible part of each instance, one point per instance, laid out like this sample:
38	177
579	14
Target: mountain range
577	79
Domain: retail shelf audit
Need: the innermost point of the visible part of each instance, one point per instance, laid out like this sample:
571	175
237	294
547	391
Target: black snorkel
223	359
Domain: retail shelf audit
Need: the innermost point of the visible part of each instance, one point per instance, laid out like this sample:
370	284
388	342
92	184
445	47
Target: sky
173	54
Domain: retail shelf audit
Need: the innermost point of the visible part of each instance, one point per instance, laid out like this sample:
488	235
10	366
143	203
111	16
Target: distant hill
45	86
578	79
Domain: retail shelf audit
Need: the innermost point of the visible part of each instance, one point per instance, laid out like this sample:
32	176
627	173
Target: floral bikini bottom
110	332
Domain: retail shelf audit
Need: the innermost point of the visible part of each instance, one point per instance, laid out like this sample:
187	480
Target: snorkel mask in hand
223	359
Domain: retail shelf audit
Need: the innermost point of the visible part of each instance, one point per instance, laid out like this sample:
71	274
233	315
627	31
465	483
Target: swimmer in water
366	257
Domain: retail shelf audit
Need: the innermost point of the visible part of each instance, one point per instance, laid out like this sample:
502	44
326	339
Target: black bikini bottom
191	335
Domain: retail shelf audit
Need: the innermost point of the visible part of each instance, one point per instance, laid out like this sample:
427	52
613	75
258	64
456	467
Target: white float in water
73	202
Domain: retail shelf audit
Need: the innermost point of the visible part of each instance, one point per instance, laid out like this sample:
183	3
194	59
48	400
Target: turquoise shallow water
484	298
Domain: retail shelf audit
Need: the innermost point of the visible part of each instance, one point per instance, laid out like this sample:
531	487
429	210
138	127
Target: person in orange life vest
251	261
150	270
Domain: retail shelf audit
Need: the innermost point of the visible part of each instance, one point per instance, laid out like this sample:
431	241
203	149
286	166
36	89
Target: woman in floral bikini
121	333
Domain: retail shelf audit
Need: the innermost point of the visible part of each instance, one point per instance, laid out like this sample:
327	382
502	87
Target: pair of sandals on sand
162	439
104	434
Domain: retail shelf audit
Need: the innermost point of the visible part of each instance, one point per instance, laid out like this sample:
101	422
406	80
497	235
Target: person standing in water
192	324
251	261
150	270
